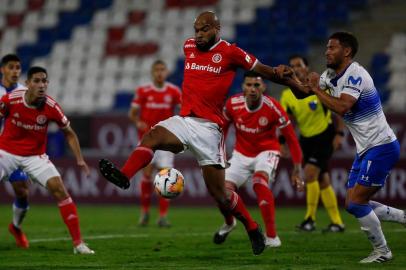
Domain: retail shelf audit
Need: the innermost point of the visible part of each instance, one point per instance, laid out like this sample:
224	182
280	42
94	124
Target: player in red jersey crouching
210	67
27	114
257	150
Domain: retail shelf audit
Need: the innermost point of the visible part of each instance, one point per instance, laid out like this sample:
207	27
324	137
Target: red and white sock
237	208
69	214
146	192
139	158
265	202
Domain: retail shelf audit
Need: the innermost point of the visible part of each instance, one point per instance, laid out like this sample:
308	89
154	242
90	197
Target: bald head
207	30
208	17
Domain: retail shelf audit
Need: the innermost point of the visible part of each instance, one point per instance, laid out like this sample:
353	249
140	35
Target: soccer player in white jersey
27	114
10	74
347	89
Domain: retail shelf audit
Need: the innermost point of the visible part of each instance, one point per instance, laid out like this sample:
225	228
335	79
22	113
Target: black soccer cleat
257	240
112	174
334	228
307	225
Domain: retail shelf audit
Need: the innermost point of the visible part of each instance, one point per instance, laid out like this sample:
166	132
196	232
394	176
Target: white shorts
202	137
242	167
39	168
163	159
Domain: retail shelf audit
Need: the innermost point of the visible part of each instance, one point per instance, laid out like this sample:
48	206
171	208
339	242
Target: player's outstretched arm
340	105
74	145
283	75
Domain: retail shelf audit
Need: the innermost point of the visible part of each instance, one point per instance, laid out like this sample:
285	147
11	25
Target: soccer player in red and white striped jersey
256	117
154	102
27	114
210	67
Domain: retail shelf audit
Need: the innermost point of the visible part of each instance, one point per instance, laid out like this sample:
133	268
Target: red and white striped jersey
256	130
25	127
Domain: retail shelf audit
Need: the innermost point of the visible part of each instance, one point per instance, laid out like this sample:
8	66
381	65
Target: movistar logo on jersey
356	81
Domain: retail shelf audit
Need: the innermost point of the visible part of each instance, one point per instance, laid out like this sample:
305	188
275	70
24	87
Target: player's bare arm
74	145
283	75
340	105
133	114
339	129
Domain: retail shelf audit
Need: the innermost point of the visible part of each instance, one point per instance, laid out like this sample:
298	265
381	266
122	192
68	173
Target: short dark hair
252	74
34	70
347	39
304	59
159	62
8	58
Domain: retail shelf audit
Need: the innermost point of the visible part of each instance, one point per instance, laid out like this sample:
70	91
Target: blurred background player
27	114
210	66
152	103
319	137
352	94
256	118
10	74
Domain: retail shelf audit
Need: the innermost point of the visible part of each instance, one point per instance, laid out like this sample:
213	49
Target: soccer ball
169	183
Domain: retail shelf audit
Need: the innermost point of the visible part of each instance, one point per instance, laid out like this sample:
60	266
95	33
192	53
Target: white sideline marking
143	235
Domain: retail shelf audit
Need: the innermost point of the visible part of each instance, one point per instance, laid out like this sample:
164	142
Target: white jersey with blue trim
4	90
365	120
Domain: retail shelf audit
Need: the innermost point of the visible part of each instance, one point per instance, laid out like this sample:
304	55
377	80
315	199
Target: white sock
387	213
18	215
372	227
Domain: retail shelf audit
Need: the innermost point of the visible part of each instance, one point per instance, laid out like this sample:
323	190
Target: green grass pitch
119	243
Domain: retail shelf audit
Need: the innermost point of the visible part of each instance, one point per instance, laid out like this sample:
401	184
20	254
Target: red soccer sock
163	206
146	191
238	209
138	159
266	203
69	214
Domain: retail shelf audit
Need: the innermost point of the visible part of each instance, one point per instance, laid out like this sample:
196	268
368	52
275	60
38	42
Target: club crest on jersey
263	121
41	119
167	98
216	58
313	105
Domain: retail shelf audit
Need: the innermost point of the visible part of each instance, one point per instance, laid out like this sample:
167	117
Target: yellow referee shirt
311	116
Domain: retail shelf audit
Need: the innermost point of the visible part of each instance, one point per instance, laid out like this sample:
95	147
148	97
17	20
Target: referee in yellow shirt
319	137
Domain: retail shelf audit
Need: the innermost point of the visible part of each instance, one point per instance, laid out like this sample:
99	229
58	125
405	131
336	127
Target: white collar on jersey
256	109
158	89
215	45
25	102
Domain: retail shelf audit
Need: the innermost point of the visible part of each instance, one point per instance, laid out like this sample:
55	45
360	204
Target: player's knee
230	186
20	189
358	210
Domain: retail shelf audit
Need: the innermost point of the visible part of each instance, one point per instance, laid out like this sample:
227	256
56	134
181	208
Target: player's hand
284	71
141	126
297	179
83	165
313	80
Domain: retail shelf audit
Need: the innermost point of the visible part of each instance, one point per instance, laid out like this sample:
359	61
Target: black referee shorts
318	149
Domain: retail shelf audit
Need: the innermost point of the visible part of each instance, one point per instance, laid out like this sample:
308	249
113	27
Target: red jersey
156	104
208	77
256	129
25	127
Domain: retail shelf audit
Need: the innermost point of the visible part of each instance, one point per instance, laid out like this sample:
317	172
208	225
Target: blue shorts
18	175
373	167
